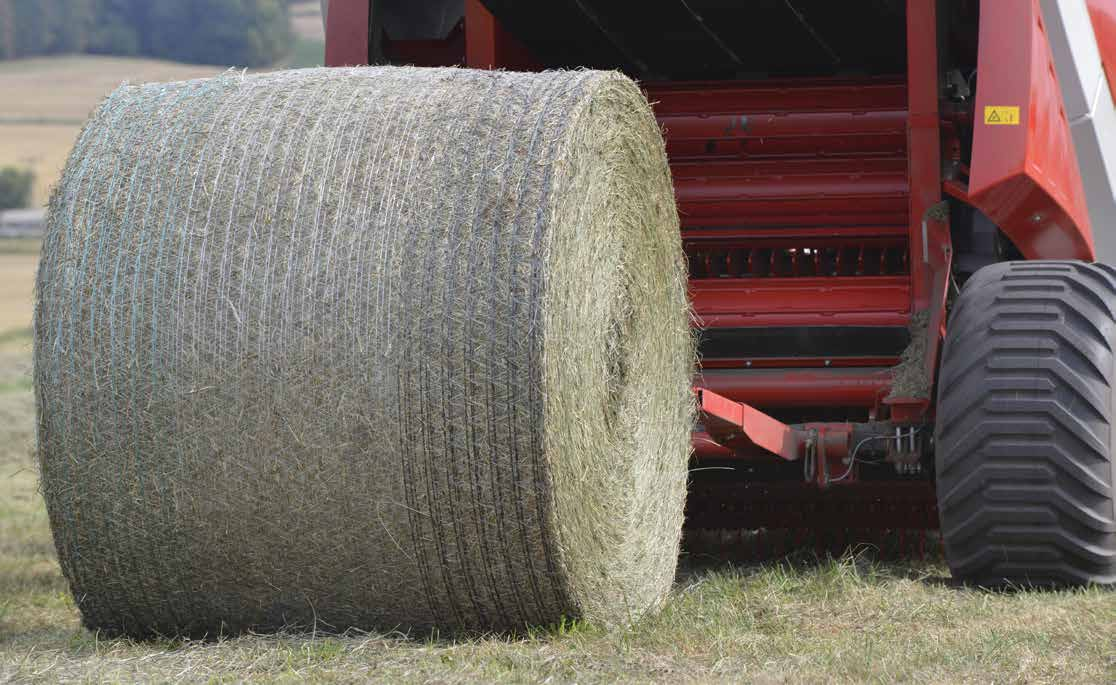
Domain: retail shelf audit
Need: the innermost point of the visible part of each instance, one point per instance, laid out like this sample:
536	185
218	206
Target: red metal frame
804	201
795	173
802	387
929	238
924	158
347	39
489	46
853	301
793	199
818	202
479	41
749	434
734	424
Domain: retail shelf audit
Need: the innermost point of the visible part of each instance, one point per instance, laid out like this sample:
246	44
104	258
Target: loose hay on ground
374	348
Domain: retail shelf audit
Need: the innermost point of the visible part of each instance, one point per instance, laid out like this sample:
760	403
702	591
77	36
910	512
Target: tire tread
1024	436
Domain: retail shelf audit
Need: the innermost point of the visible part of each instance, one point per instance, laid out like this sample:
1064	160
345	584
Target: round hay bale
369	348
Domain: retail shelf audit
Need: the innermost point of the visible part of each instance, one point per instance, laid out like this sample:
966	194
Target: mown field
849	619
44	101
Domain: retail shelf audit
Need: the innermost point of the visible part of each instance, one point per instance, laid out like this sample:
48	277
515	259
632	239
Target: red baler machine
851	177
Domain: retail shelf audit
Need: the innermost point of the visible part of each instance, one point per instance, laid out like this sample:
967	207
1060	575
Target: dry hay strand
366	348
909	378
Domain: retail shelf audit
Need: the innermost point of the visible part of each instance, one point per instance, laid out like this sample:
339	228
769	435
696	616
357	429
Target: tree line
248	33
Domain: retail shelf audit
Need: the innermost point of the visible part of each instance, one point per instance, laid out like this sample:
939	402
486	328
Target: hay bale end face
373	348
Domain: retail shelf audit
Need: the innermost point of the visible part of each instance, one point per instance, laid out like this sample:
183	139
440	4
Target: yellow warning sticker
1001	115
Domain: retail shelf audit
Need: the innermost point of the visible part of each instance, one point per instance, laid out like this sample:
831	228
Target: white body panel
1090	111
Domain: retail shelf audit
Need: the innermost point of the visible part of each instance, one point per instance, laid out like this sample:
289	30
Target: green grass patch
22	385
20	246
16	336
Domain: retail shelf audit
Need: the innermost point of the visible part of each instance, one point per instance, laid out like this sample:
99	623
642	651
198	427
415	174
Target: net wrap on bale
375	348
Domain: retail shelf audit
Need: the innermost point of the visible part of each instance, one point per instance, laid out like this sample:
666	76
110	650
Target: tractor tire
1024	435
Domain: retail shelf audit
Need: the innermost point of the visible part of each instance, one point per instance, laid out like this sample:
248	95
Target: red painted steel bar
851	173
782	388
786	133
861	179
808	237
843	196
347	33
799	362
822	94
924	137
803	318
872	125
791	212
752	435
849	301
706	447
480	37
733	423
489	46
800	155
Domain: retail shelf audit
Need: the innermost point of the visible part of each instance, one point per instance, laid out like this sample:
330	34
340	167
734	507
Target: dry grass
43	148
17	278
69	87
836	621
46	100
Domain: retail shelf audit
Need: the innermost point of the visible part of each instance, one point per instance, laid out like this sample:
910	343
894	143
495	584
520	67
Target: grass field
17	278
43	148
844	620
46	100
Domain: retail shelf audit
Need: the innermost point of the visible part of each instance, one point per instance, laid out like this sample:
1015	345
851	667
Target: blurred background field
45	100
18	260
